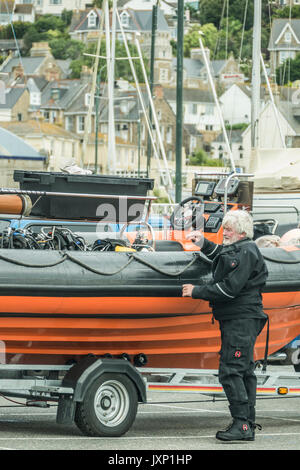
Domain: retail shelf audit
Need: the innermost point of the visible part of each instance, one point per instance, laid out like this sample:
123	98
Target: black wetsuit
239	274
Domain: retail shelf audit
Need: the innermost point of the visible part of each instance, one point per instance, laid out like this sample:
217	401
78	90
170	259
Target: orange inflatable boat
59	306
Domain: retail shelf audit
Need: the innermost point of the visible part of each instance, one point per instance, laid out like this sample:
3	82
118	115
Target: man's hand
187	290
195	236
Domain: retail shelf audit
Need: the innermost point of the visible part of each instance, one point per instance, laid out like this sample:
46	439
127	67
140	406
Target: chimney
158	91
196	53
86	74
40	49
17	71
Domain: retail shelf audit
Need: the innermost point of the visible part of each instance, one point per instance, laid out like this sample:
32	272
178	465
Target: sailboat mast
110	49
255	95
179	100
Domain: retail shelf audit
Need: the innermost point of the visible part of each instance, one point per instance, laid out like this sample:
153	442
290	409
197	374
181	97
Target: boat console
211	199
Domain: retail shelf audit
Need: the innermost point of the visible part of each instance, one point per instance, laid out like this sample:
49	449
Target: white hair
241	221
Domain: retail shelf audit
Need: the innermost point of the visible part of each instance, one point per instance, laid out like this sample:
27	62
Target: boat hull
70	321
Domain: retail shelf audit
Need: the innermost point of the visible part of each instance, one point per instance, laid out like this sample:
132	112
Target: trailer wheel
109	407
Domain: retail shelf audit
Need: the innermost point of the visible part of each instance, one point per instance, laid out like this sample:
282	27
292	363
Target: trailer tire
109	406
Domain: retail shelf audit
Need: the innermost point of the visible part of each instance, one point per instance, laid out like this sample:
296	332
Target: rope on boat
195	257
27	265
132	257
96	271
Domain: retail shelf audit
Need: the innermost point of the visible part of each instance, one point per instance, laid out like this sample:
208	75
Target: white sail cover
276	169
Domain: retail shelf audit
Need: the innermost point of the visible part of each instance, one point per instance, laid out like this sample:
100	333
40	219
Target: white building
55	7
235	104
141	5
199	108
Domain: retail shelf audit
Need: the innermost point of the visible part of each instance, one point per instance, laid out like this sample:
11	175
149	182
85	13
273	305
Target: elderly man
239	274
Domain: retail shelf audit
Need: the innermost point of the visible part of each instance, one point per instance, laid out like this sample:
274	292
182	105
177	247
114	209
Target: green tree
122	67
49	22
66	16
18	27
66	48
208	34
229	38
289	71
33	35
287	12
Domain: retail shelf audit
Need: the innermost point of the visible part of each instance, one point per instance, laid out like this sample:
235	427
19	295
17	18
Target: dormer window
87	99
124	17
288	37
92	20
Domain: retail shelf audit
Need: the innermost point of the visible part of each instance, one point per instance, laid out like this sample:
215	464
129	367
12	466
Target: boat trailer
101	395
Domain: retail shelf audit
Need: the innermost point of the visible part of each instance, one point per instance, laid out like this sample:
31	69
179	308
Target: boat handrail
281	206
232	175
89	195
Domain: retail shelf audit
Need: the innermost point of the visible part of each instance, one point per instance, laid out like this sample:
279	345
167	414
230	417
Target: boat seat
264	227
168	245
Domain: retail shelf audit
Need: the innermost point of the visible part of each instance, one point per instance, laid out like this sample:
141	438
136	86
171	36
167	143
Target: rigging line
218	36
275	109
153	112
243	32
227	25
91	103
140	96
239	61
22	65
14	34
287	62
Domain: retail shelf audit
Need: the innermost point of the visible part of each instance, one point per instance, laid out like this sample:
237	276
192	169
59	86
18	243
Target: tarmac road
177	424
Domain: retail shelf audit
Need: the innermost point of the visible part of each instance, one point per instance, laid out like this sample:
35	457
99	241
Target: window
284	55
193	142
52	116
288	37
209	127
169	135
87	99
80	124
194	108
35	99
241	151
124	17
69	123
220	150
163	75
92	20
55	2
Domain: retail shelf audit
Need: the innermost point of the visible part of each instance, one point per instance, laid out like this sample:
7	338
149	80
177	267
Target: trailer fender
82	374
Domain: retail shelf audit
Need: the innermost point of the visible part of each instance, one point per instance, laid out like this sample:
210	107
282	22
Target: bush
200	158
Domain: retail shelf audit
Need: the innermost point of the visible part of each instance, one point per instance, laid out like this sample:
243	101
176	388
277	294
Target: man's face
230	235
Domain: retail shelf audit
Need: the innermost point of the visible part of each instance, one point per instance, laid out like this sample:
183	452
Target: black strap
267	346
